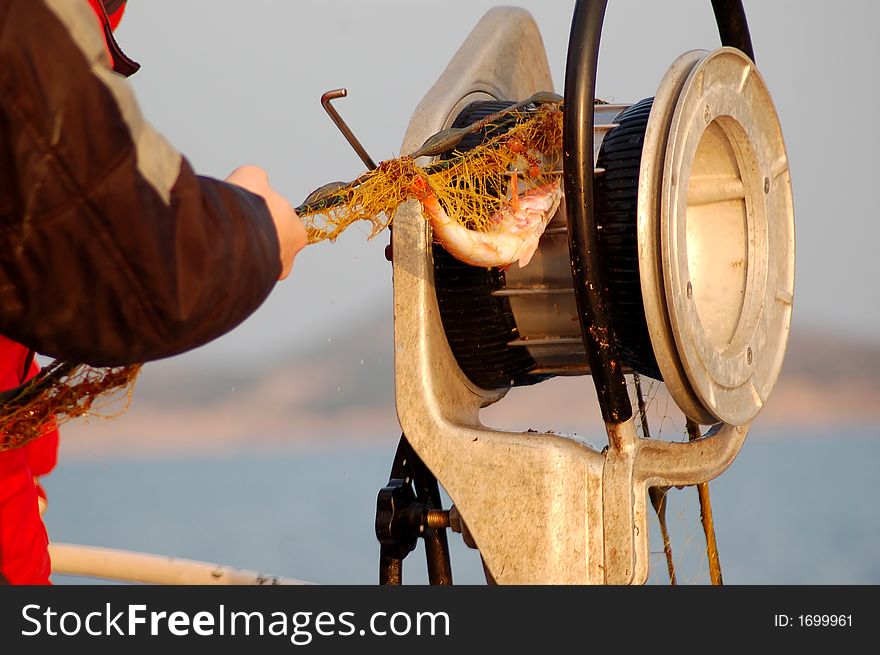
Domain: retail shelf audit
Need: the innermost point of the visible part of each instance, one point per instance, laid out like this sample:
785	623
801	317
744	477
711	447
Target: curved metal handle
666	463
333	94
595	320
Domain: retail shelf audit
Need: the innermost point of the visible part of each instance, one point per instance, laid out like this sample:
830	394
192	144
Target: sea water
790	510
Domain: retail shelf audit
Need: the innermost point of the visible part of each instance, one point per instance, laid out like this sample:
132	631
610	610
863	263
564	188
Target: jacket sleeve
112	251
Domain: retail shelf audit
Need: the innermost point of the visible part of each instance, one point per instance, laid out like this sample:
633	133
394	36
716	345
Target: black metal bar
399	467
590	293
409	467
391	567
390	570
733	28
436	543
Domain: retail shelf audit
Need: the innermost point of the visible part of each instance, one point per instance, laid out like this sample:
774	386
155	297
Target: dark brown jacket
112	250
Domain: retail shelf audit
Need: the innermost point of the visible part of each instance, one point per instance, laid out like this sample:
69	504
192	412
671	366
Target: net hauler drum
672	256
696	240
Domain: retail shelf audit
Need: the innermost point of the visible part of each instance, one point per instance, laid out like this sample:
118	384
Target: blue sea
790	510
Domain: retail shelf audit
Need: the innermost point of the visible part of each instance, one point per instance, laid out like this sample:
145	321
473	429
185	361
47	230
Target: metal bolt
749	355
766	185
690	290
437	518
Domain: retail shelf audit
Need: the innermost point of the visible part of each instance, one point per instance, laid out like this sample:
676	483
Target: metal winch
672	256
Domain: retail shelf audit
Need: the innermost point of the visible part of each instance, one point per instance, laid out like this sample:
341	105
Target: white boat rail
147	568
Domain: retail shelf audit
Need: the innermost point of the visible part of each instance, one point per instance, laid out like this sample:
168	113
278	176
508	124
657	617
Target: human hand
291	231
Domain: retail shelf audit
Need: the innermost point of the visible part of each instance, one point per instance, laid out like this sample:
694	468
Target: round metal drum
716	228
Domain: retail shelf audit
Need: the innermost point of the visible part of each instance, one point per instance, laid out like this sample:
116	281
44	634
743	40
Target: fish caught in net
488	206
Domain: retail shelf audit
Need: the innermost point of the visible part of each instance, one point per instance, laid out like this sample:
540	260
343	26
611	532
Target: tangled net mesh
60	392
471	186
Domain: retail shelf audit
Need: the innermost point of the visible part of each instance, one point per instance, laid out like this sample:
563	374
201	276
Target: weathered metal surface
531	501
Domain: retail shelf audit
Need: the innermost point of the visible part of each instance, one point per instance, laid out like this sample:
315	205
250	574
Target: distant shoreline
343	394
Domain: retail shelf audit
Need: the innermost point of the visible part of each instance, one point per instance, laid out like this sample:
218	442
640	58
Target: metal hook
346	132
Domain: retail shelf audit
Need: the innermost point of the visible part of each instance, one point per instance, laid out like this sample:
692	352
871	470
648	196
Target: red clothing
114	10
109	13
24	554
24	543
125	255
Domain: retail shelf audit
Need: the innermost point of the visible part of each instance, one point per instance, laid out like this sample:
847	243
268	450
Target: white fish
518	226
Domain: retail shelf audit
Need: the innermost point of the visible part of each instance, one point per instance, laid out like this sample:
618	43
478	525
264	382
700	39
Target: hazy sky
239	82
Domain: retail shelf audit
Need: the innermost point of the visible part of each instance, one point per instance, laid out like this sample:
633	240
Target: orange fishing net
467	184
61	391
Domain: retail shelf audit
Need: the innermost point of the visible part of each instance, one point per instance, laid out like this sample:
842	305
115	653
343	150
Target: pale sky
231	83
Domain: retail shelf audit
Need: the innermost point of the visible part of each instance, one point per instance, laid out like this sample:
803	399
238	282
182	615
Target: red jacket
24	554
112	8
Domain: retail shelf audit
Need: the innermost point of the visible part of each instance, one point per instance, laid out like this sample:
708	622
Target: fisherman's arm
113	251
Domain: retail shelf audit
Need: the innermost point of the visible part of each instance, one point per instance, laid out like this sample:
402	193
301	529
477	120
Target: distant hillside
342	389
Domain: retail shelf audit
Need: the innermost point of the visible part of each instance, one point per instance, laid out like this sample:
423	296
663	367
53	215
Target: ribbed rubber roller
616	195
478	325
